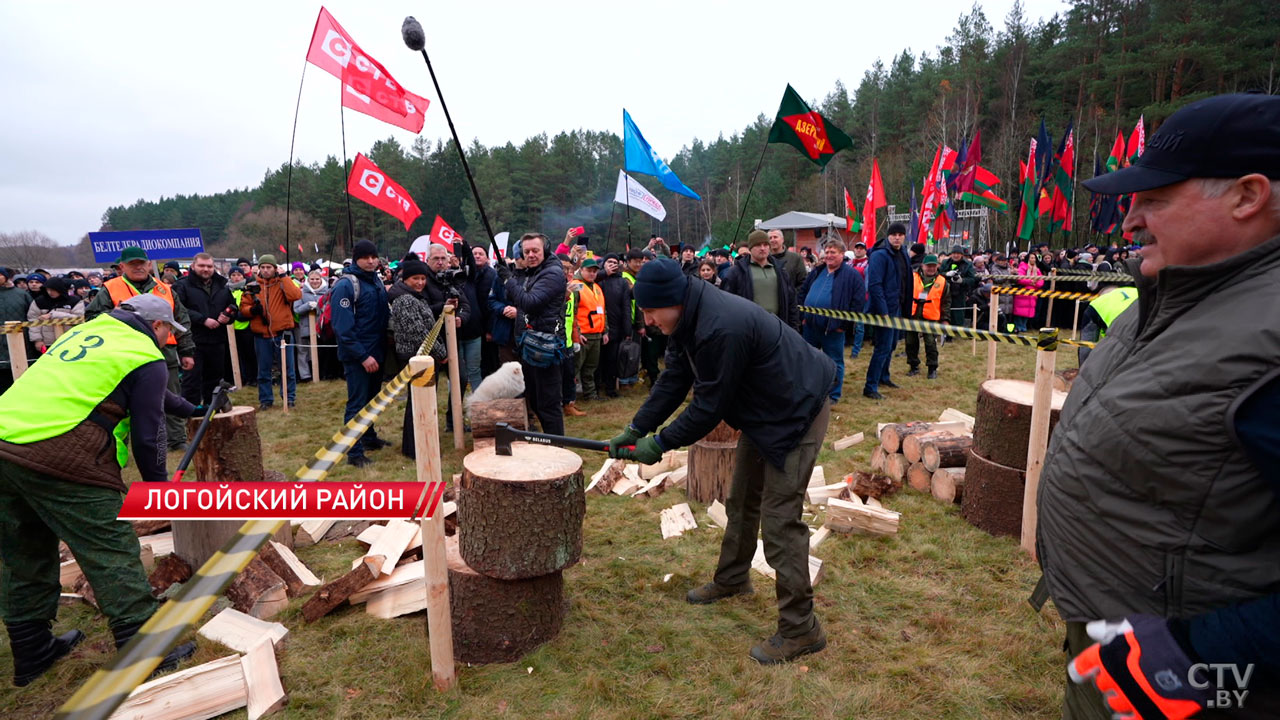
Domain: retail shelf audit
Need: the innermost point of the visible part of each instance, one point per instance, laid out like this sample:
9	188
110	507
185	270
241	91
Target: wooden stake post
17	350
1046	357
455	376
975	327
235	357
1075	323
993	321
427	430
1053	286
315	349
284	372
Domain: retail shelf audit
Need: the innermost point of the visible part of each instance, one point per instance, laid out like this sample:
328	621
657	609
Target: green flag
806	130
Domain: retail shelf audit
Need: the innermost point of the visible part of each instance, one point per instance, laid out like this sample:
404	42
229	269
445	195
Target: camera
451	280
253	288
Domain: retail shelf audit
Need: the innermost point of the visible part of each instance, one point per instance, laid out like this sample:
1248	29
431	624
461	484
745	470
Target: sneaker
890	384
933	373
358	461
572	410
915	370
872	394
713	591
778	649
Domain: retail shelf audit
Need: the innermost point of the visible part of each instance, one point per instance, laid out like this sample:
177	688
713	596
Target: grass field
931	623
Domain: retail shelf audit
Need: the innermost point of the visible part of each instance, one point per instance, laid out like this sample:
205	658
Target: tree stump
1002	426
992	497
947	484
496	621
231	451
520	516
485	416
945	452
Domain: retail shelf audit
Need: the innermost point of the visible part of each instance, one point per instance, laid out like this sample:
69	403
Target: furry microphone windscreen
412	33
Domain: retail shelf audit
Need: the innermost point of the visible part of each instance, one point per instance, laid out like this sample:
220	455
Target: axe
504	435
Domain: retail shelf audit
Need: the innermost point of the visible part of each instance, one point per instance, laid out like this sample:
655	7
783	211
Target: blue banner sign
159	244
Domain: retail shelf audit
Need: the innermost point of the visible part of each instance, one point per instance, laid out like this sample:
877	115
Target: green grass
931	623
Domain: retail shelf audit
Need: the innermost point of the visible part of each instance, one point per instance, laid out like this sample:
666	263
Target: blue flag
639	157
913	227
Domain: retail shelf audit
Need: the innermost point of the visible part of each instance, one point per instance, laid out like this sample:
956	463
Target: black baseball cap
1226	136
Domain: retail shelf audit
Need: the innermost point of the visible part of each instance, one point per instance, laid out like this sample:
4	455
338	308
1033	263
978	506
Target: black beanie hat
57	283
414	266
243	261
660	283
635	254
918	248
364	248
896	228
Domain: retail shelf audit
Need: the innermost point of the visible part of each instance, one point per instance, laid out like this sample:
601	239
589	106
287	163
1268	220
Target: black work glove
256	309
504	272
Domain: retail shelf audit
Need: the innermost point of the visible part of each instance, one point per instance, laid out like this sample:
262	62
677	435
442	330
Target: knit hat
235	270
35	277
243	261
412	267
757	237
896	228
364	249
172	265
660	283
6	273
917	249
267	260
635	254
957	249
298	266
58	284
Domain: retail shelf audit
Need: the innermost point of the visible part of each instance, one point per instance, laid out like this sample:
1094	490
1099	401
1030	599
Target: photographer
963	280
447	285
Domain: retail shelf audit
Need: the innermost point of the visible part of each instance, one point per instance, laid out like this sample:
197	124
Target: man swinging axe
60	476
748	368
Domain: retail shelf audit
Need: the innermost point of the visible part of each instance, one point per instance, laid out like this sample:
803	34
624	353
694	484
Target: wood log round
918	477
873	485
258	591
912	445
992	497
231	451
947	484
878	457
1003	421
892	435
520	516
945	452
895	466
723	433
485	416
710	470
498	621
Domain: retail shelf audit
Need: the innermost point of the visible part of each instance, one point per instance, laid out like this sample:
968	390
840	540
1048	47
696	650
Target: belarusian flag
1117	153
806	130
984	182
1137	142
851	221
1062	188
875	200
1027	217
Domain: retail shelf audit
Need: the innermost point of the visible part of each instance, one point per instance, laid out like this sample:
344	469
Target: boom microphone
411	31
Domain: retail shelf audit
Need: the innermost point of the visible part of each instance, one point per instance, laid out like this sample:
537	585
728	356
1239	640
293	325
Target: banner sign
630	192
371	185
174	244
278	501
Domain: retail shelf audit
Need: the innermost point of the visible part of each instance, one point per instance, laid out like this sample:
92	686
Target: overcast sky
106	103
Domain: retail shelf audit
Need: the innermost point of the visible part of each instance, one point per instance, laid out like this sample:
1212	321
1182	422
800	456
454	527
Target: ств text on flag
370	184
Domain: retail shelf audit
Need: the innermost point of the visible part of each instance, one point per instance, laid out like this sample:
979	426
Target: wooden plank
393	542
845	443
1038	443
240	632
263	692
402	575
676	519
197	693
311	532
718	514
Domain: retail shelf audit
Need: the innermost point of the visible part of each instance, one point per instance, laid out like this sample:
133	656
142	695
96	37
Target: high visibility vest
121	289
1111	304
77	373
239	324
933	305
631	280
590	313
570	307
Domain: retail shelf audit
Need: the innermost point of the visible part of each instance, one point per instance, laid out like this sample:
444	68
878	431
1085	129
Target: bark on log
710	470
497	621
878	458
918	477
169	569
912	445
947	484
1003	425
992	497
945	452
231	451
520	516
257	591
892	434
895	466
873	485
335	593
723	433
1063	379
297	577
485	416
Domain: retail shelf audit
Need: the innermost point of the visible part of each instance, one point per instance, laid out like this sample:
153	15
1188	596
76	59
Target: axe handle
558	440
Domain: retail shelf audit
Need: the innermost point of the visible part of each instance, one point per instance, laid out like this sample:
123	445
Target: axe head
503	436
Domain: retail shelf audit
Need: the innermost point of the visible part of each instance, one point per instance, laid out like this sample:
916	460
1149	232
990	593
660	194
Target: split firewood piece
818	537
312	531
69	573
850	516
400	600
918	477
655	487
161	543
297	577
203	691
718	515
872	503
333	594
345	529
845	443
676	519
760	565
878	459
954	415
395	539
402	575
264	693
85	591
871	485
258	591
819	495
370	534
629	482
678	476
241	632
604	478
947	484
818	477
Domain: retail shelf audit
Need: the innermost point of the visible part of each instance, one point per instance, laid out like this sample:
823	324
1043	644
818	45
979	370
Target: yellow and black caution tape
1111	277
110	686
1061	294
932	328
16	327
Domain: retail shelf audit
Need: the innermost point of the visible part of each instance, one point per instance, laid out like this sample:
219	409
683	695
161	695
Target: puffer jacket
271	310
1025	305
539	295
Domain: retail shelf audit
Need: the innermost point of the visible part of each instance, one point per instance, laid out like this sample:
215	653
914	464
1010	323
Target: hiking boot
35	649
778	649
125	633
915	370
572	410
264	407
713	591
872	394
374	443
358	461
933	373
889	384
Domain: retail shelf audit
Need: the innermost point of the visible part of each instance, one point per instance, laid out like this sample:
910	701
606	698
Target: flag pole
346	169
288	188
743	211
415	39
627	204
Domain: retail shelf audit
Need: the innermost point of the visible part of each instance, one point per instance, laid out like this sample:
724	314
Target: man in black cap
1159	507
963	281
888	293
360	315
732	354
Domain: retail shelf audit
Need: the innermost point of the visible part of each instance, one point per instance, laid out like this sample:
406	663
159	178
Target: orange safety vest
933	306
590	315
121	290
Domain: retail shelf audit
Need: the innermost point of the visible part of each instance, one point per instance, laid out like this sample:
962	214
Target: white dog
506	382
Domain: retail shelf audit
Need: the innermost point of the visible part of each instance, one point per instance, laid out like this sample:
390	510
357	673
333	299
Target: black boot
915	370
35	649
933	373
125	633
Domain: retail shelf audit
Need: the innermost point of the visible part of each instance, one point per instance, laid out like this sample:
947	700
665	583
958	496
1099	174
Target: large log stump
231	451
1002	424
992	497
497	621
711	461
520	516
485	416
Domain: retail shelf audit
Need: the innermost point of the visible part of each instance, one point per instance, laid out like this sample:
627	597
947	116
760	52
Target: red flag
875	200
282	249
1116	158
371	185
367	86
1137	143
851	222
443	234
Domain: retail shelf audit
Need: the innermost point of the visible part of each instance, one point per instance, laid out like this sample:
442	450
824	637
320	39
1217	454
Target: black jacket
745	367
202	305
437	294
738	281
538	293
617	305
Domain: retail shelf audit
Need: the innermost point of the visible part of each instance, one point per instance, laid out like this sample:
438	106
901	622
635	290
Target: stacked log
913	452
711	462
